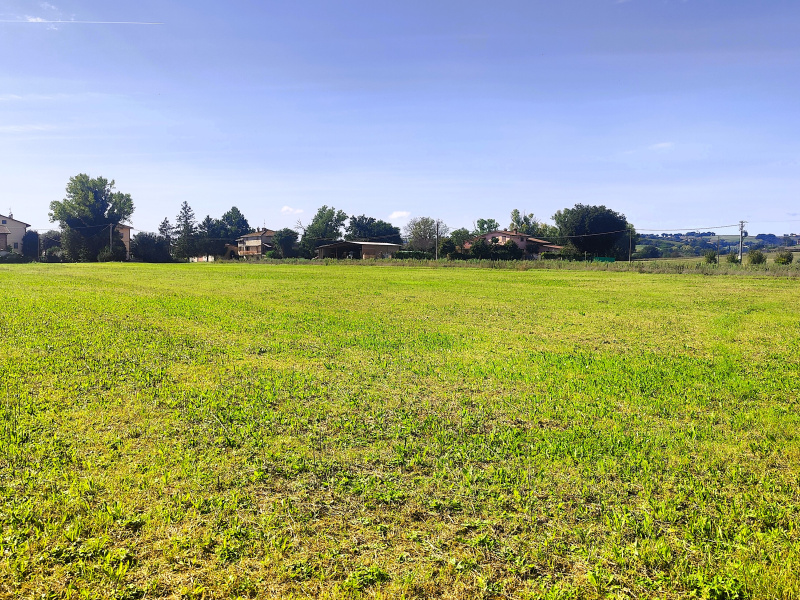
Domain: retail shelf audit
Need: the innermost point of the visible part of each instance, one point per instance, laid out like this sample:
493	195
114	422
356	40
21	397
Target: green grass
222	430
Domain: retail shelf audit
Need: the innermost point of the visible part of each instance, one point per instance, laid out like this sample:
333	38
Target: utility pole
717	249
437	239
630	244
110	237
741	239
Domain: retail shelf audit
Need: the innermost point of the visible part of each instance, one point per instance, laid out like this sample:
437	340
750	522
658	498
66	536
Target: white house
11	233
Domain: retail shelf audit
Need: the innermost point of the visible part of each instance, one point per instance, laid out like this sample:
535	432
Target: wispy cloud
288	210
24	128
47	6
662	146
83	96
400	214
29	19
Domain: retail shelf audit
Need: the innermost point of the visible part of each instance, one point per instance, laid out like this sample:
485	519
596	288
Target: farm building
125	232
357	250
257	243
11	233
533	247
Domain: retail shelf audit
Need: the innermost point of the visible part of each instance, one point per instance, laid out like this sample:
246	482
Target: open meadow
257	431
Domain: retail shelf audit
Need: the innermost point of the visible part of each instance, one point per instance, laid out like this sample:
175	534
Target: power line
693	228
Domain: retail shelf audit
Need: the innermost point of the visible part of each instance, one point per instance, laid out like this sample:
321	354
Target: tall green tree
212	235
324	228
422	231
88	214
284	241
234	225
167	231
530	225
593	229
30	244
185	232
50	239
460	236
368	229
485	226
151	248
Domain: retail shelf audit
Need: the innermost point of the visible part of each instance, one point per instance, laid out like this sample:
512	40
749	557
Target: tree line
92	209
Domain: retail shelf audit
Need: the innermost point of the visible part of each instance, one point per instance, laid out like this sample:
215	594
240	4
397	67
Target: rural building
257	243
11	233
357	250
532	247
125	232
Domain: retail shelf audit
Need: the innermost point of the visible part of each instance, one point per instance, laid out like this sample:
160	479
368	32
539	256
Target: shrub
648	251
413	254
732	258
756	257
14	258
54	255
710	257
784	258
116	253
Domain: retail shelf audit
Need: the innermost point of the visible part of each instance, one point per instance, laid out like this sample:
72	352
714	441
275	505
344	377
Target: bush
784	258
54	254
116	253
732	258
14	258
756	257
710	257
413	254
648	251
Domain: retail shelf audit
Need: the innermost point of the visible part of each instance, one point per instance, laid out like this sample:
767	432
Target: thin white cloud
47	6
288	210
29	19
24	128
400	214
663	146
83	96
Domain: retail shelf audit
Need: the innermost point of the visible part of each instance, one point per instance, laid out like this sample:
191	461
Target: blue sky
679	114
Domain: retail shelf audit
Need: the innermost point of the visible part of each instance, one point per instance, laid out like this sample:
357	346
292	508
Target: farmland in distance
255	431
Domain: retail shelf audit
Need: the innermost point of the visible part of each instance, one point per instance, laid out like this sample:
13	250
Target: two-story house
257	243
532	246
11	233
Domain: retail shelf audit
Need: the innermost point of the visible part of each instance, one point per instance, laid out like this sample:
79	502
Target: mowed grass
254	431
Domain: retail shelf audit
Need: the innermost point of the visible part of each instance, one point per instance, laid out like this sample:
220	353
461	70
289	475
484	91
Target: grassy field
222	431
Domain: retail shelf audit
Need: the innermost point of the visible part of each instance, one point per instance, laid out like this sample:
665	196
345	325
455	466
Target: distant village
94	219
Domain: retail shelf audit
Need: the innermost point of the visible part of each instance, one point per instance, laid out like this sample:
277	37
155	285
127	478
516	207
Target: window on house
4	221
16	245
